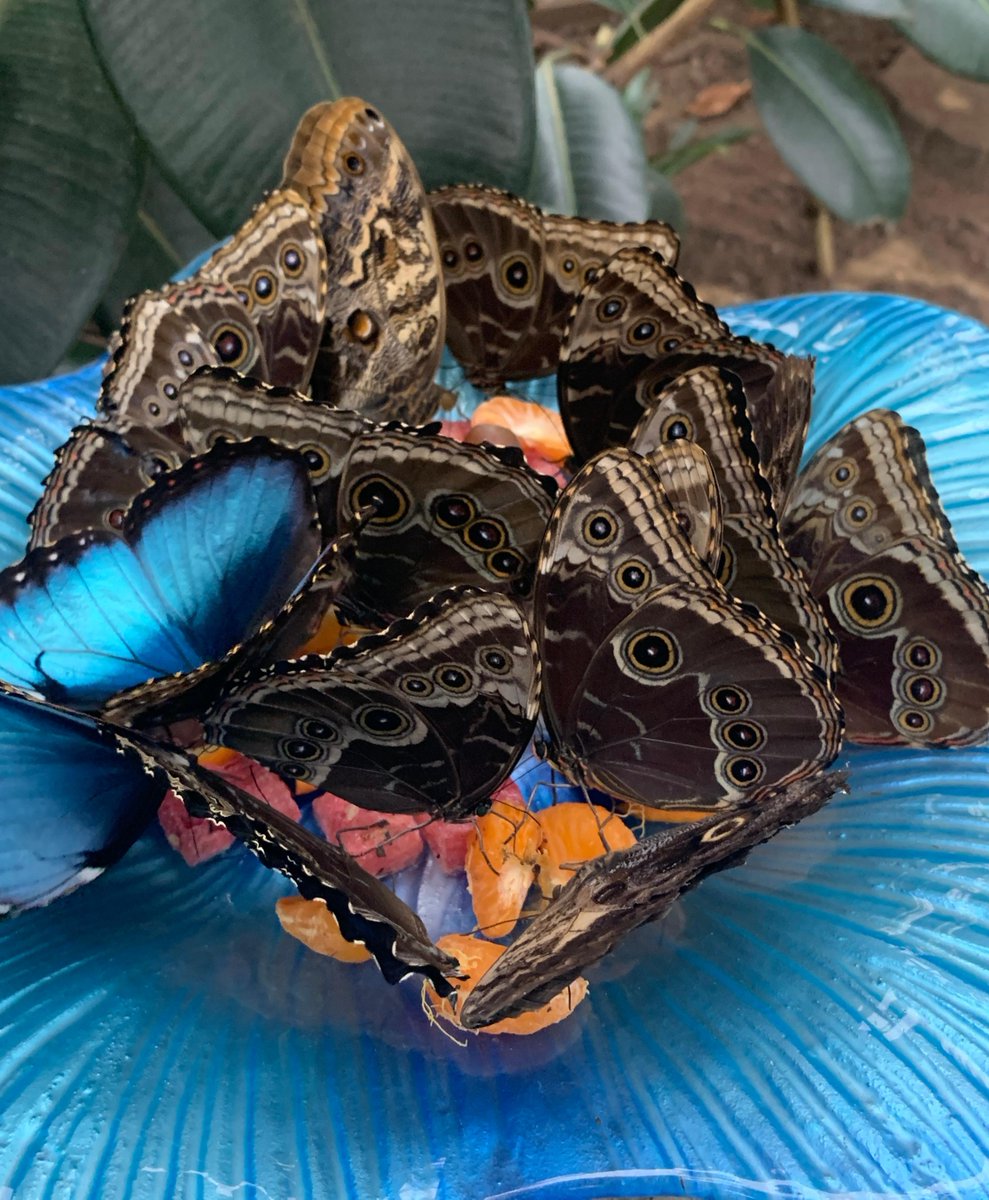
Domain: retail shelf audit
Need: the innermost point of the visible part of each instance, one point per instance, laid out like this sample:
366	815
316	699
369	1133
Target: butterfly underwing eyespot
912	617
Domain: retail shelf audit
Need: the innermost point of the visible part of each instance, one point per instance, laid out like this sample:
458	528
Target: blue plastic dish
813	1024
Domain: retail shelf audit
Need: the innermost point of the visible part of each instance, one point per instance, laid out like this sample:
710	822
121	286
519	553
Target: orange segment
326	638
574	833
535	427
501	865
669	815
316	927
475	957
217	756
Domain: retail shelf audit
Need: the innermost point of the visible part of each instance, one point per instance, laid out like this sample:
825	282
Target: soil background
750	227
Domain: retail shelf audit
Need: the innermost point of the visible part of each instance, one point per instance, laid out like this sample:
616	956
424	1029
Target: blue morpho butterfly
78	791
204	559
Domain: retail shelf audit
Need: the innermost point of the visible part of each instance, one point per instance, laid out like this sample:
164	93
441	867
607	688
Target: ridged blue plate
813	1024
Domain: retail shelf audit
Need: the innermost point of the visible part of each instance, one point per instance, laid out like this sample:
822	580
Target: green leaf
589	159
894	9
664	203
164	238
69	178
684	153
832	128
954	33
639	20
217	88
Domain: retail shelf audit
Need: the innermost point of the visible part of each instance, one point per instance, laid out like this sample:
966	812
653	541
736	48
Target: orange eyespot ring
362	327
859	512
452	678
517	275
843	473
870	602
232	344
922	690
599	528
353	163
633	576
293	260
727	700
677	427
652	652
264	288
914	723
743	772
317	460
380	493
726	566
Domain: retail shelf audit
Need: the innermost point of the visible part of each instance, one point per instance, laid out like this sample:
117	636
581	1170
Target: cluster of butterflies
682	627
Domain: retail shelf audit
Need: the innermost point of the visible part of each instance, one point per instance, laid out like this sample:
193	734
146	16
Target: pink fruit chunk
382	843
447	842
198	839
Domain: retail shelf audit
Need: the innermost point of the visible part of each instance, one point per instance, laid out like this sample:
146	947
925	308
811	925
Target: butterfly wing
276	265
612	895
491	250
447	513
912	618
78	792
386	309
635	310
430	715
206	555
706	406
164	336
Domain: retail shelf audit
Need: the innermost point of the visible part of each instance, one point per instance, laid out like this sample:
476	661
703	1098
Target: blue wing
207	554
74	798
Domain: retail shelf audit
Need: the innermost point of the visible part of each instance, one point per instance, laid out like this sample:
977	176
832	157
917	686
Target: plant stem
786	11
644	52
824	242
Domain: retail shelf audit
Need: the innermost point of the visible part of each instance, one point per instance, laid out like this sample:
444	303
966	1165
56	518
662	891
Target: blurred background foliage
133	134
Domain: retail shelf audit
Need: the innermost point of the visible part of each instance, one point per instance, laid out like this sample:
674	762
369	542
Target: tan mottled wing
385	309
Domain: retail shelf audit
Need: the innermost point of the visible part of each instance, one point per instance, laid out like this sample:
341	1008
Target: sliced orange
532	426
326	638
214	757
316	927
574	833
644	812
475	956
501	865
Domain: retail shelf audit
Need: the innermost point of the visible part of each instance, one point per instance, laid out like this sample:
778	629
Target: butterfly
658	687
99	471
635	327
911	616
612	895
203	560
385	311
707	406
77	793
430	715
446	513
256	306
512	272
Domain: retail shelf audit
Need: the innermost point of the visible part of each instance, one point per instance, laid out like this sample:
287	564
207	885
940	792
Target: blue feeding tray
813	1024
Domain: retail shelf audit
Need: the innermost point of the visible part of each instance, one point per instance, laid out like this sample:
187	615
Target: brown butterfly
612	895
911	616
512	273
634	328
706	407
385	311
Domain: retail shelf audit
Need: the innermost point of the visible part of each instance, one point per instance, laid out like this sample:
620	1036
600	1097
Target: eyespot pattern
913	722
641	333
652	653
517	275
746	736
868	604
677	427
383	722
843	473
353	163
453	511
726	700
300	749
485	534
457	680
504	564
742	771
495	660
362	327
314	729
723	829
293	260
473	251
919	655
417	686
633	576
858	512
264	289
599	529
727	565
610	309
232	345
387	498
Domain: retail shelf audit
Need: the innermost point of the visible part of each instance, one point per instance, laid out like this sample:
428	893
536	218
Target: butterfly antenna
434	1018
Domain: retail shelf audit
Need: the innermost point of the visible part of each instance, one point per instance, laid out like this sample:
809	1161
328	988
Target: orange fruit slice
574	833
316	927
475	957
501	865
535	428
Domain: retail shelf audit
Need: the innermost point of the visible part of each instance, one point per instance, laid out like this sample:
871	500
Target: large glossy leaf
833	129
69	177
217	89
871	8
953	32
589	159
